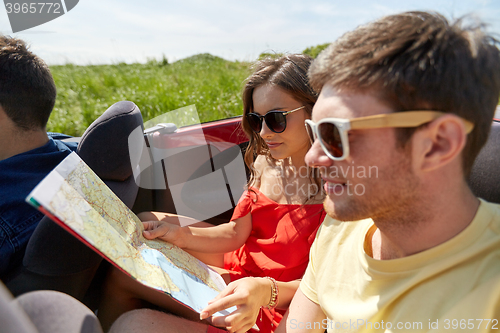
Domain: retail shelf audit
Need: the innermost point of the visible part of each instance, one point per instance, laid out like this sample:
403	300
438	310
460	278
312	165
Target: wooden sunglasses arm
401	119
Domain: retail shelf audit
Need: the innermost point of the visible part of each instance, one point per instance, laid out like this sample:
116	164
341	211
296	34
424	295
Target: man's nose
316	157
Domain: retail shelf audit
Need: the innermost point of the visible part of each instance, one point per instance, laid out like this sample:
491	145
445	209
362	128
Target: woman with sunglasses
267	241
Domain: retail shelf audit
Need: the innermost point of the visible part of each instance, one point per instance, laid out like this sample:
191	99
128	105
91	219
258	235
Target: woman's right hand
163	230
248	294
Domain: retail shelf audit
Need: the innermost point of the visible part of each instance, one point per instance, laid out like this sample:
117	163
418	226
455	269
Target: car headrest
105	142
485	176
104	147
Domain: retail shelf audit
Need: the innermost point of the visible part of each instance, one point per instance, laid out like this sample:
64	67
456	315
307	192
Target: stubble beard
389	197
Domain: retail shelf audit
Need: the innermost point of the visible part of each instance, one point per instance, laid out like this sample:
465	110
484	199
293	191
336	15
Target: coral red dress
278	245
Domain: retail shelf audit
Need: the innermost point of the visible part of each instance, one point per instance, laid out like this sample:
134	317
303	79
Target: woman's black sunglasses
275	120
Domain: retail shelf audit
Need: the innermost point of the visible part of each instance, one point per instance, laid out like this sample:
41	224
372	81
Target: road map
76	198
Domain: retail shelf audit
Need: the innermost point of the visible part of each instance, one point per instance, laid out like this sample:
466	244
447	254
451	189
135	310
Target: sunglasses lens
276	121
330	136
254	122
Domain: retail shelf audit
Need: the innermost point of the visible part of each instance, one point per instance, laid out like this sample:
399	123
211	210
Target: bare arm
303	316
223	238
286	292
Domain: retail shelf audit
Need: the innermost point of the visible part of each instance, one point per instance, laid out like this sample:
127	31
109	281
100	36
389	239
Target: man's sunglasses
332	132
275	120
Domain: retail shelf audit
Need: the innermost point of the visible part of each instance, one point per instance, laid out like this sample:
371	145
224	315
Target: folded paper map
74	197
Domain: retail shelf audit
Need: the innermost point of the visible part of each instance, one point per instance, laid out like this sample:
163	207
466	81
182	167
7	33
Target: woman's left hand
248	295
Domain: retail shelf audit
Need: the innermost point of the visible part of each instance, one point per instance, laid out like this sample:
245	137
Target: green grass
211	83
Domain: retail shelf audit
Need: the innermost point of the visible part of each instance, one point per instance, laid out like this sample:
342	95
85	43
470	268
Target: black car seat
485	176
55	259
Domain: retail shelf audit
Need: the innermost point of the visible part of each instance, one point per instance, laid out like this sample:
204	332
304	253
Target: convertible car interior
173	159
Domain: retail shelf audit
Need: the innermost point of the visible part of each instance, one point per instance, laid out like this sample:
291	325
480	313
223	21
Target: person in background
35	252
27	153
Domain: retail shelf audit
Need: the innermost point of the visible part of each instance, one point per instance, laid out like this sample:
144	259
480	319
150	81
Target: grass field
211	83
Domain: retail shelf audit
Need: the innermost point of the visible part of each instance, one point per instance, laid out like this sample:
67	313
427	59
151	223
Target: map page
76	198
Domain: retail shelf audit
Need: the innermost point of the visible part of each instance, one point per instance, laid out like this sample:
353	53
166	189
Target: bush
313	51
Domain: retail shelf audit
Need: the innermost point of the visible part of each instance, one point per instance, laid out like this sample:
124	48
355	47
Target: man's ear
440	142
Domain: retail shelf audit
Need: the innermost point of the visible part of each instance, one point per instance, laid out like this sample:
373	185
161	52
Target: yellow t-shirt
453	287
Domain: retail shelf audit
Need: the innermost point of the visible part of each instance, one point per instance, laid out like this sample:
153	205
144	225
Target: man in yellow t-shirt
405	105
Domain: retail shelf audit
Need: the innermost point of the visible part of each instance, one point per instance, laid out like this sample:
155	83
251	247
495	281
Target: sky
113	31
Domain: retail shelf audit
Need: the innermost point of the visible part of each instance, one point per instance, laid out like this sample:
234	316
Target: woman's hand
248	295
165	231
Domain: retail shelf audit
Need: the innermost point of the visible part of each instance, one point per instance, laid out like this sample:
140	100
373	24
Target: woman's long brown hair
288	72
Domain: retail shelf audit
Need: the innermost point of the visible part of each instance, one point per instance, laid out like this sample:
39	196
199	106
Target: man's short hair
27	89
418	61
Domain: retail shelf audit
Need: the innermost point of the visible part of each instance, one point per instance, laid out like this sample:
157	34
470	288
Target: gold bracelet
274	293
